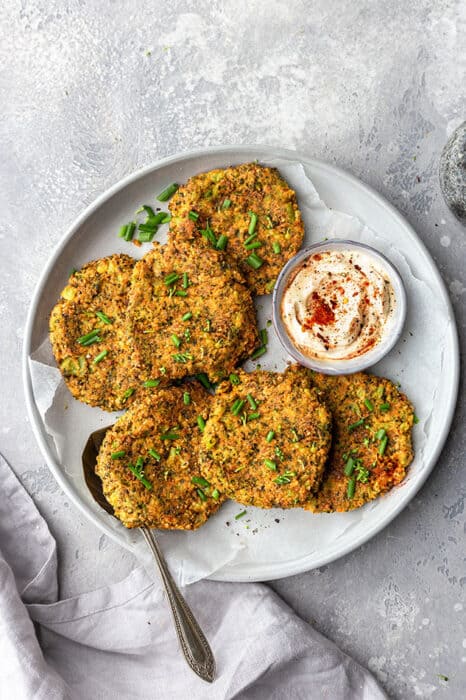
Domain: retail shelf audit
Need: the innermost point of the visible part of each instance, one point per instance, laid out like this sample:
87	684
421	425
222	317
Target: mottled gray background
92	90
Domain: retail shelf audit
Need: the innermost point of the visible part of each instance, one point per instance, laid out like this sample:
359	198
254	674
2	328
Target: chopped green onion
155	455
175	340
380	392
182	357
185	284
118	455
204	380
369	405
167	217
169	435
415	420
103	317
186	398
284	478
264	336
234	379
240	515
380	434
129	392
250	238
253	246
362	474
251	401
279	453
384	407
193	215
383	445
181	293
151	383
201	423
215	494
149	211
171	278
270	436
187	316
122	231
350	466
237	406
351	487
258	353
358	423
222	242
138	474
98	358
130	228
201	494
200	481
90	338
270	464
253	416
252	223
254	261
209	235
226	204
276	248
168	192
146	236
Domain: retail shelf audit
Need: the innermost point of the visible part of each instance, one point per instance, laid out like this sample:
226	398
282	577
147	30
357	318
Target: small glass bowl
355	364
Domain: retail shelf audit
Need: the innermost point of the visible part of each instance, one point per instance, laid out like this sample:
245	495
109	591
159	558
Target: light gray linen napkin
118	642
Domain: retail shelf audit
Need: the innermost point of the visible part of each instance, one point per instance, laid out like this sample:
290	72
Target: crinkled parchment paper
275	535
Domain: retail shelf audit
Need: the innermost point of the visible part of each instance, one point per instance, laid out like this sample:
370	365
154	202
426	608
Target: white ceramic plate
83	242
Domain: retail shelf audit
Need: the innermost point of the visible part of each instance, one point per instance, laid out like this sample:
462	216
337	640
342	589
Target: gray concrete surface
90	91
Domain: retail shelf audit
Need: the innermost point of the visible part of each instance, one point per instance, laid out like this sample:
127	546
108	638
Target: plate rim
287	568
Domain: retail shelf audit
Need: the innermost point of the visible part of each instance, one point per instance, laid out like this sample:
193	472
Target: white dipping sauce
338	304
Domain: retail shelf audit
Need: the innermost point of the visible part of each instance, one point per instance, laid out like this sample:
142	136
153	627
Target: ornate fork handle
195	646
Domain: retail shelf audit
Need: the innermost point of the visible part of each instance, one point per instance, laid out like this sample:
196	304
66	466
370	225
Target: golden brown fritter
267	439
148	461
226	201
371	447
189	312
98	370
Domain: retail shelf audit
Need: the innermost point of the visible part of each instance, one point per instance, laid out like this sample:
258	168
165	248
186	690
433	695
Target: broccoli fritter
371	448
88	334
189	312
148	461
267	439
250	210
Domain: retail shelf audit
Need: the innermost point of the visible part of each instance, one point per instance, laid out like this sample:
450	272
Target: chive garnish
193	215
384	406
254	261
151	383
369	405
103	317
237	406
153	453
215	494
171	278
358	423
204	380
89	338
200	481
380	434
201	423
252	223
383	445
187	316
258	353
251	401
175	340
234	379
240	515
168	192
270	464
129	392
349	468
222	242
226	204
185	283
118	455
270	436
276	248
169	435
186	398
351	487
98	358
